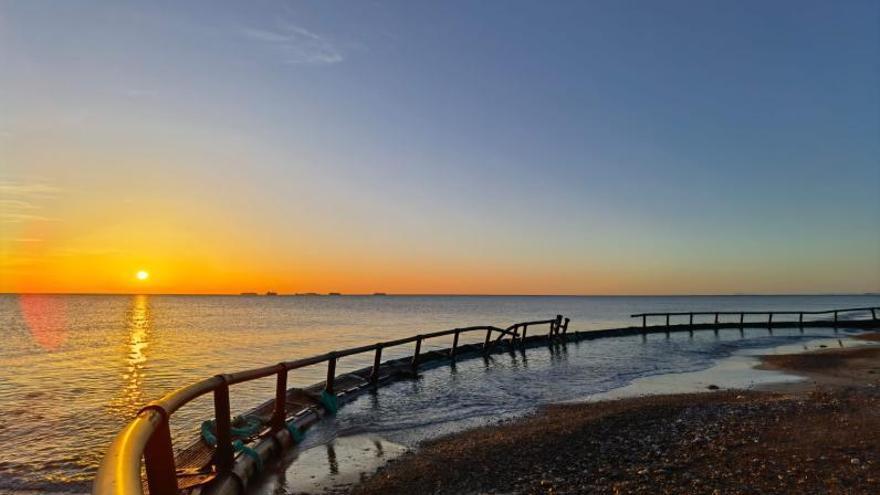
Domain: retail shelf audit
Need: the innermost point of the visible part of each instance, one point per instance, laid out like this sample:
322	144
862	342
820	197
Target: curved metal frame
148	435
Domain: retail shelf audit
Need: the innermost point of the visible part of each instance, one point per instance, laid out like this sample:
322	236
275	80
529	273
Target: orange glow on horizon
203	251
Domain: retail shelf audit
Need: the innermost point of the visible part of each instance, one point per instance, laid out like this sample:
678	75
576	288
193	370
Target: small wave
13	485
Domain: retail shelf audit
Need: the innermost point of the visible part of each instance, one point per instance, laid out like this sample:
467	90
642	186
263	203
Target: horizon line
429	294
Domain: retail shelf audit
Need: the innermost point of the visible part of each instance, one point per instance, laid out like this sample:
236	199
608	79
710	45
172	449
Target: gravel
818	440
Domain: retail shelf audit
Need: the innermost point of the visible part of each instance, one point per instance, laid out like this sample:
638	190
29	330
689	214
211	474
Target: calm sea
75	369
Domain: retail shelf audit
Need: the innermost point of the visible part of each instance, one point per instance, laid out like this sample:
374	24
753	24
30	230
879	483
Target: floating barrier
231	452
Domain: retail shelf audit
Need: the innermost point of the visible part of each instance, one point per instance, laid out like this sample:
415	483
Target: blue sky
627	147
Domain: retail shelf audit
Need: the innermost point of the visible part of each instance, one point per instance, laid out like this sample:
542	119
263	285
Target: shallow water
335	464
75	369
342	451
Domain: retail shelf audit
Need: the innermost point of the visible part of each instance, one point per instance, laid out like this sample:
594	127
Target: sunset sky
440	147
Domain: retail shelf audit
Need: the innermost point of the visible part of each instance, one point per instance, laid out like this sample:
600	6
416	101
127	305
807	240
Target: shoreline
813	434
829	367
747	369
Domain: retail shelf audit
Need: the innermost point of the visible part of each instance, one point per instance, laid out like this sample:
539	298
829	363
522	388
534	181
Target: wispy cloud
80	251
20	201
296	45
16	204
27	189
14	217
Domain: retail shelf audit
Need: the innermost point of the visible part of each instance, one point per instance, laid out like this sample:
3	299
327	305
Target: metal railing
148	436
769	314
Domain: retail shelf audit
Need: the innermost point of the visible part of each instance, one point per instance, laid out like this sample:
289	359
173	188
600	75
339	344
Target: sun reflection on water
139	325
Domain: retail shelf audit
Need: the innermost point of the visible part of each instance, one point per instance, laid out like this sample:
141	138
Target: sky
505	147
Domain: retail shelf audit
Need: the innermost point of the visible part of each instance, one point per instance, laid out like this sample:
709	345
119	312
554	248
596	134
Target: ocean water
75	369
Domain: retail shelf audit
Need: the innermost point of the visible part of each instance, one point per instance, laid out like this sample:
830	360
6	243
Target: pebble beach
815	436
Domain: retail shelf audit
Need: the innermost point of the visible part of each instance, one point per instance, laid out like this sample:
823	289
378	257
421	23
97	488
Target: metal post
691	321
741	318
280	412
223	456
716	319
873	314
488	337
523	338
455	342
644	321
667	319
377	361
331	373
159	458
835	318
565	326
801	318
558	323
770	320
415	359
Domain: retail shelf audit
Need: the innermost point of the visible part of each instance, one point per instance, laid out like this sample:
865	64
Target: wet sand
818	436
348	458
831	367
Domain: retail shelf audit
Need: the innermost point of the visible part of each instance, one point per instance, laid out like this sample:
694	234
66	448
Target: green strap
295	434
208	433
239	446
329	402
248	426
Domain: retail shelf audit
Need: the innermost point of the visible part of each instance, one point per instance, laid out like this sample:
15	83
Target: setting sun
142	275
